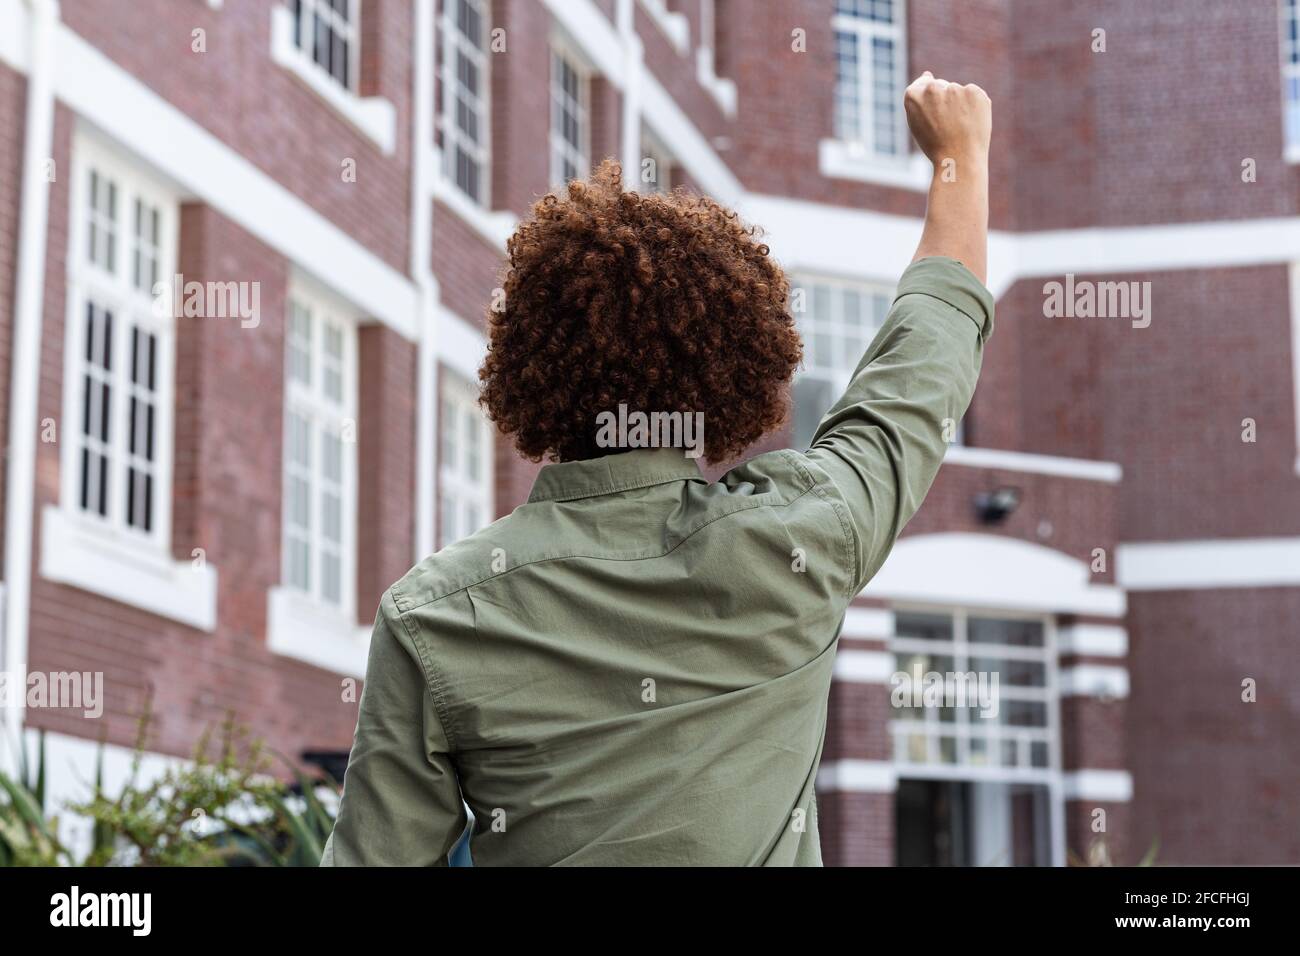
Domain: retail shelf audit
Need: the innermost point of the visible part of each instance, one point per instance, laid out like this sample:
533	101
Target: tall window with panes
120	349
465	467
465	129
326	30
319	510
570	129
1290	12
837	321
870	75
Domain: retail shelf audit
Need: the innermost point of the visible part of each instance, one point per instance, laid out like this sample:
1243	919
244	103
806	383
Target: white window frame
373	116
130	307
837	377
455	42
579	154
348	28
1288	14
80	548
857	158
309	401
1052	776
458	491
962	651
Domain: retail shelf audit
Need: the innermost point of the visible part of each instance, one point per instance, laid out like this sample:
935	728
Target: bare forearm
957	214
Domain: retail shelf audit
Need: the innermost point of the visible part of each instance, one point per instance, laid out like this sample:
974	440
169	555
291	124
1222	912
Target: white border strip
1088	470
1104	786
857	776
1224	563
868	623
864	667
1094	640
1094	680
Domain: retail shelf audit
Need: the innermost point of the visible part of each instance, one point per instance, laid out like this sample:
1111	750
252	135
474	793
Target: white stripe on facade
1094	680
1104	786
868	623
1221	563
1086	469
1294	272
864	667
857	776
1095	640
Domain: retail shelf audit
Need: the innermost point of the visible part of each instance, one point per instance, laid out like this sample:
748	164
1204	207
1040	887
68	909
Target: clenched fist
948	119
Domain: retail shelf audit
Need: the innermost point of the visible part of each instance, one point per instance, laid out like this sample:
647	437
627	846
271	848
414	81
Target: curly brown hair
665	303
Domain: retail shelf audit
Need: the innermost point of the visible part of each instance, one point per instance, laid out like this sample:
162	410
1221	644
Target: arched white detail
982	570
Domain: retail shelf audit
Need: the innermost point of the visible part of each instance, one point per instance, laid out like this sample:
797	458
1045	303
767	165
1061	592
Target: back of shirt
633	667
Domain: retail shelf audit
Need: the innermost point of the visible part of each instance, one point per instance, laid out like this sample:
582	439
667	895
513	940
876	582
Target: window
569	130
870	75
977	789
119	349
465	485
319	452
326	30
1290	11
465	96
1020	741
837	320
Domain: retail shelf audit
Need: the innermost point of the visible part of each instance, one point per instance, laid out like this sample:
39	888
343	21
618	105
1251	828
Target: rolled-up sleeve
401	802
883	441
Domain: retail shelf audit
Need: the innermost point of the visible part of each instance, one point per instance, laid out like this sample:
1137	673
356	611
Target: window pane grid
1290	30
837	324
870	75
465	479
326	30
465	107
568	120
318	456
1021	740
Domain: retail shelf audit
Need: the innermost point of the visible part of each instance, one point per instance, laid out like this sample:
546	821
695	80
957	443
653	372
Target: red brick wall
857	829
521	114
467	266
386	464
1215	778
1167	402
263	112
1155	128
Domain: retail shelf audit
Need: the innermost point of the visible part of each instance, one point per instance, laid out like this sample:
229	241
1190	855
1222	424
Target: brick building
205	502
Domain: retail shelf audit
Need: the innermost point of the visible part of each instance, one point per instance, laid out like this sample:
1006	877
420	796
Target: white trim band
306	631
107	563
1094	640
1222	563
1082	468
864	667
857	776
1104	786
868	623
1094	680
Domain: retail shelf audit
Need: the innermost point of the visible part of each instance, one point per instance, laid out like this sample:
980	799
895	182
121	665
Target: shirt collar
638	468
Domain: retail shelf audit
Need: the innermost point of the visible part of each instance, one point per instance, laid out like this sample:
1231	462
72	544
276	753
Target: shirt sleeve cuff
949	280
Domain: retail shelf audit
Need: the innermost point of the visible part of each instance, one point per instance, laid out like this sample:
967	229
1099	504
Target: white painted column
24	388
630	140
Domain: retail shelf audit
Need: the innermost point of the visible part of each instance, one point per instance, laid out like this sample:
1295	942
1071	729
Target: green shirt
633	666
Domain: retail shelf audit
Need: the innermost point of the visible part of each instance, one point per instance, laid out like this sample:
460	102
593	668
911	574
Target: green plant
27	836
